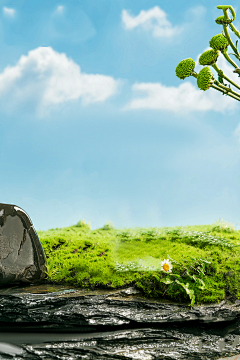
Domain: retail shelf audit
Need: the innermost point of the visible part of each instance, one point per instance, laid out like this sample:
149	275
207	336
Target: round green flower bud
205	78
209	57
185	68
218	42
221	20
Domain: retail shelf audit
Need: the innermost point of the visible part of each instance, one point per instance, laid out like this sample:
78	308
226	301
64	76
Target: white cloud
50	78
186	97
9	12
153	20
60	9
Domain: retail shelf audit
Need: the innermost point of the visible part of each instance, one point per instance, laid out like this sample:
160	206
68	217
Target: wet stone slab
59	322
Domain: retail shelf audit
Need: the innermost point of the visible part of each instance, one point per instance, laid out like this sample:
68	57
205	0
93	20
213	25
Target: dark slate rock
117	324
21	254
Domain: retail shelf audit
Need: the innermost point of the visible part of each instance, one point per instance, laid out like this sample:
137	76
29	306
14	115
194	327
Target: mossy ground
110	258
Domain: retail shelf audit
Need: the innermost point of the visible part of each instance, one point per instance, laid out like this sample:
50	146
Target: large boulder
21	254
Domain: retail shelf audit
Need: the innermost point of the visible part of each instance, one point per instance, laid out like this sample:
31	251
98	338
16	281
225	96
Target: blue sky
95	124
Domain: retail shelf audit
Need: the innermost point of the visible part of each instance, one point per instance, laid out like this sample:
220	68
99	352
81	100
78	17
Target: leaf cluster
187	276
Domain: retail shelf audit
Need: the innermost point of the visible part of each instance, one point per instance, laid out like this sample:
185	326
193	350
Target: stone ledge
116	324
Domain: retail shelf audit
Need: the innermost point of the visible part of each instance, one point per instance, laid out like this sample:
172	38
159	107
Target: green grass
205	260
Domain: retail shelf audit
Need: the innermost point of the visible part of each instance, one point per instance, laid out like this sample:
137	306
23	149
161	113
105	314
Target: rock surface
21	255
80	324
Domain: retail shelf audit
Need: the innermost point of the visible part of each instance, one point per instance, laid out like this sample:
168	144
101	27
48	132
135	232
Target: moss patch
111	258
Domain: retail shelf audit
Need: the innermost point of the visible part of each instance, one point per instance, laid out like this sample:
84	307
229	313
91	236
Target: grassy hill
205	260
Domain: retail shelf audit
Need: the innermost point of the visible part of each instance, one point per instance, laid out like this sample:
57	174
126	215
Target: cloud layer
153	20
186	97
50	78
9	12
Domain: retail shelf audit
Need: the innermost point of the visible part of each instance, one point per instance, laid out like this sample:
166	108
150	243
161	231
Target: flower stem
234	30
224	9
227	89
229	40
224	91
194	74
221	74
225	54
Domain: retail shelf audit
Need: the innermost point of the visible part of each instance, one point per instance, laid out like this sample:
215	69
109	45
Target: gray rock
21	254
117	324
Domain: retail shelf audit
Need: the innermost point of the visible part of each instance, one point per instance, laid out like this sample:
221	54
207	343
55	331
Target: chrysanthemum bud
221	20
205	78
185	68
218	42
209	57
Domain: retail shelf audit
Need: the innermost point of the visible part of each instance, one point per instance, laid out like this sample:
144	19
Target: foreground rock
78	324
21	254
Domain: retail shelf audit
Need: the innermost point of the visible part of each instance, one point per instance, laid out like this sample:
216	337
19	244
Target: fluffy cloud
51	78
153	20
9	12
186	97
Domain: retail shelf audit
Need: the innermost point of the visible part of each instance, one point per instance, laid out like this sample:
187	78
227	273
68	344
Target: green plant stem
225	26
220	73
227	89
236	32
225	8
194	74
224	90
225	54
229	40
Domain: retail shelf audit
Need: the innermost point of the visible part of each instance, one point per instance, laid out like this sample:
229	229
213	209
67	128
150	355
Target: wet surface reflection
61	322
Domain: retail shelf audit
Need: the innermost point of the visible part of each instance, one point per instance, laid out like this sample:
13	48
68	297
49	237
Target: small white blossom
166	266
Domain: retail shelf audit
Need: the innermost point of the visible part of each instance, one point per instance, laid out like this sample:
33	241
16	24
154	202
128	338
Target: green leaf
156	277
166	280
220	79
203	284
176	275
190	292
201	270
201	287
187	273
205	261
234	55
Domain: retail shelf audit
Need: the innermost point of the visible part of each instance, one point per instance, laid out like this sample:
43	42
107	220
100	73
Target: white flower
166	266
